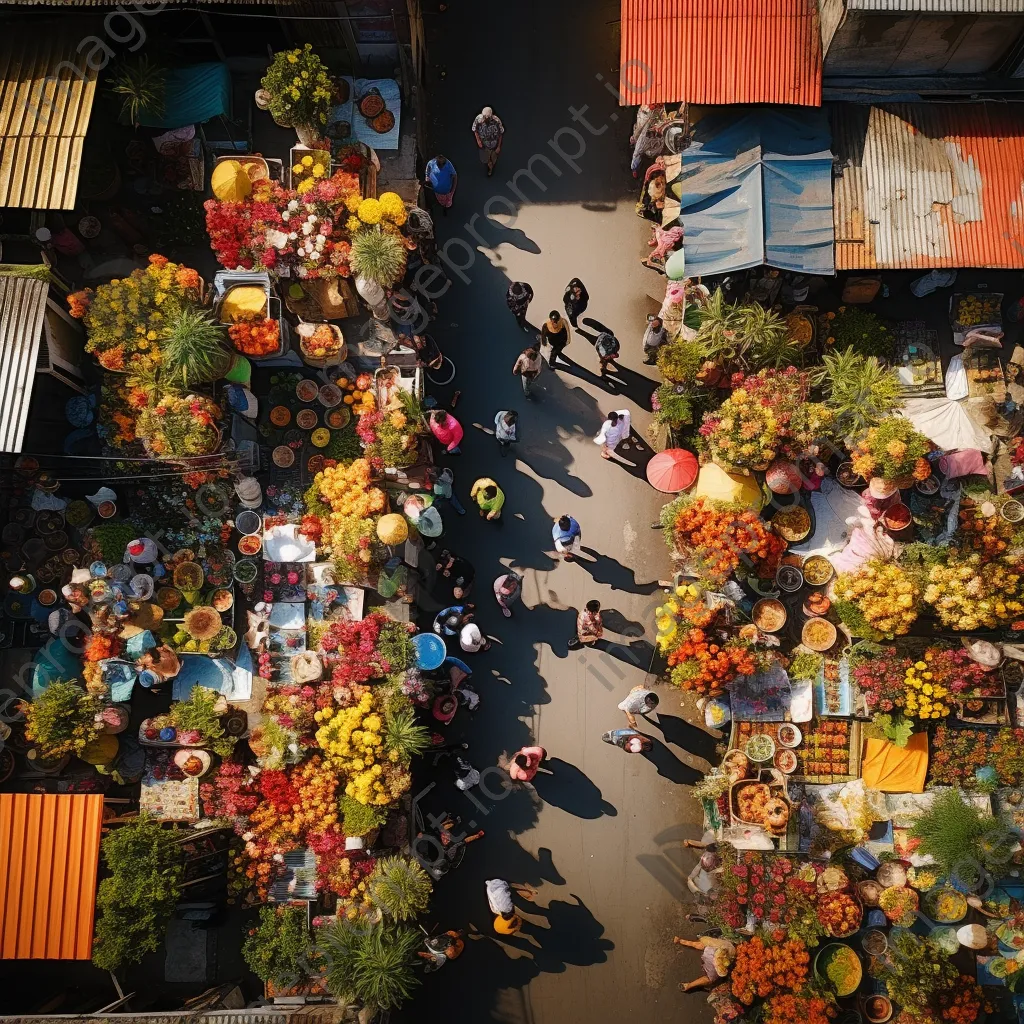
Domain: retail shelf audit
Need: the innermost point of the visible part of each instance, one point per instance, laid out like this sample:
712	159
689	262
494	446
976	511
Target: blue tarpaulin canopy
755	187
193	95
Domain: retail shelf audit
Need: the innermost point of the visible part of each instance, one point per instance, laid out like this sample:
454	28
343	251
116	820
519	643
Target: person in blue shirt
441	178
568	537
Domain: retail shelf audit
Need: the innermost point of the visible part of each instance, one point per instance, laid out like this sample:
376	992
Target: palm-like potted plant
375	965
858	389
142	87
297	91
194	347
377	255
400	888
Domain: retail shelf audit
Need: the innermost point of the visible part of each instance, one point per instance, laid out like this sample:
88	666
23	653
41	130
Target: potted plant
279	949
180	426
142	86
400	888
62	719
297	92
198	720
858	389
375	965
138	898
893	450
193	346
377	255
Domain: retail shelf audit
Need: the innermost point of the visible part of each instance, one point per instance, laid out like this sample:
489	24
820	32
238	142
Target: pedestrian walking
448	431
506	430
428	352
408	317
441	178
518	298
639	701
443	485
717	956
527	367
654	337
455	573
449	621
471	637
607	348
575	300
629	740
555	332
568	537
489	498
589	627
488	132
613	432
499	900
526	763
507	591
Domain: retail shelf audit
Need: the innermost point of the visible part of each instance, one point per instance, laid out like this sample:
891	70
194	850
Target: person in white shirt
472	639
506	425
613	432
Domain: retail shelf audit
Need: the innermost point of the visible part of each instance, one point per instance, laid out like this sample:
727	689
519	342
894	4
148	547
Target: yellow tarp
893	769
715	482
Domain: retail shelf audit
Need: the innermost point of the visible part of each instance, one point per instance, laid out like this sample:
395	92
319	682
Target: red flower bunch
278	791
758	884
955	669
990	536
881	680
366	426
961	1004
255	337
703	666
354	649
312	527
802	1009
101	646
338	870
232	792
762	969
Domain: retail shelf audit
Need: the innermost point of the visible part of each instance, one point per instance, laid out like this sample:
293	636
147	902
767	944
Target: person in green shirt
488	496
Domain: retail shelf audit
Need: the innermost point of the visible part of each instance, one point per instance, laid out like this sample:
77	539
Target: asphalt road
600	837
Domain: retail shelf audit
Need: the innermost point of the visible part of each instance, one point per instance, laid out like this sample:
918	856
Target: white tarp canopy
947	424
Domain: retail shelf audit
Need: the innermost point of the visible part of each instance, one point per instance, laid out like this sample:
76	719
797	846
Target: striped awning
46	95
49	859
22	309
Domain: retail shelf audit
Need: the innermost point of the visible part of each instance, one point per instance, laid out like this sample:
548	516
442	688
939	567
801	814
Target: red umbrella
672	470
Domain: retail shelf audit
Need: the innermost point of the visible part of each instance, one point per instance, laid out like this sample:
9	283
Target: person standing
524	765
575	300
555	332
527	367
607	348
499	900
629	740
654	337
518	299
489	498
639	701
441	178
448	431
568	537
455	575
472	639
489	133
506	429
443	485
613	432
589	627
507	591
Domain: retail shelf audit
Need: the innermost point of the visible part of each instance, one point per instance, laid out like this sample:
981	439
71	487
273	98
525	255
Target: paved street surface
601	839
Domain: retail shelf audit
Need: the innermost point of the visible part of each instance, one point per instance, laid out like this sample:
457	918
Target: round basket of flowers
180	427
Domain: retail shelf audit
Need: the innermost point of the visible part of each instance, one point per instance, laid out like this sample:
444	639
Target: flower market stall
221	584
848	606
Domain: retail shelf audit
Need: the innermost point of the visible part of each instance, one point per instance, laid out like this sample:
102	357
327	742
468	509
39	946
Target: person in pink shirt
447	430
525	764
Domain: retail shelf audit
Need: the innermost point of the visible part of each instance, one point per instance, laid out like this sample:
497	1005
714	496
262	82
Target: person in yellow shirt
489	497
507	924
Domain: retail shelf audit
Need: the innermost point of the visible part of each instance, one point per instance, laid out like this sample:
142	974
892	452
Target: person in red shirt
447	430
525	764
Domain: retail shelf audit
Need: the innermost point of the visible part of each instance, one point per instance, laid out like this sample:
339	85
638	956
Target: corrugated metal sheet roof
49	855
928	185
22	308
46	95
939	6
720	51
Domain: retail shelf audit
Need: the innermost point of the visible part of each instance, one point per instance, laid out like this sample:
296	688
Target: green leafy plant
404	735
279	949
916	972
674	405
199	713
138	898
957	835
193	347
859	328
61	720
680	361
767	338
894	728
142	86
394	645
360	819
299	88
858	389
805	666
376	966
378	255
718	334
399	887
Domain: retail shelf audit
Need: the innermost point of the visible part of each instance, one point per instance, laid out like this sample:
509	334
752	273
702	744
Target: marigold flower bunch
886	595
347	489
972	593
839	913
762	969
892	449
299	87
798	1009
701	665
178	426
102	646
258	336
297	801
682	609
899	903
392	208
925	698
716	537
960	1004
125	318
989	536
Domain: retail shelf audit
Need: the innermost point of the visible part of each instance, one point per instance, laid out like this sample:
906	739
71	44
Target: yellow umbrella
392	529
229	182
715	482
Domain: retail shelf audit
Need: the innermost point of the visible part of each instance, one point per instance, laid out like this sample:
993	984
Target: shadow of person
552	461
638	653
618	623
669	766
573	936
609	572
571	790
690	738
634	386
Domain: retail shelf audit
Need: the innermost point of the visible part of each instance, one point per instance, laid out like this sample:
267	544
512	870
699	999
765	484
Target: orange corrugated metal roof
720	51
49	855
928	185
